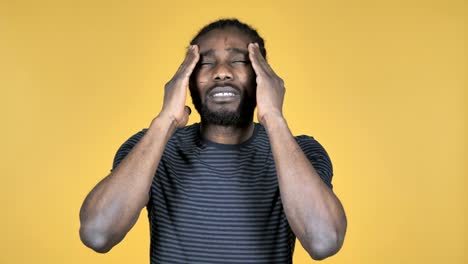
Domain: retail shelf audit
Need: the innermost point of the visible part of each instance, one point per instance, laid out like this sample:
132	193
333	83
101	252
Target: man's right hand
112	207
175	91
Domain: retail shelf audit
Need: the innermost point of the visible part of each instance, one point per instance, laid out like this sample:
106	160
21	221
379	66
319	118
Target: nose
222	72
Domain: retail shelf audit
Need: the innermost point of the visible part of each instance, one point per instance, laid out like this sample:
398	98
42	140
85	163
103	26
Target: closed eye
241	62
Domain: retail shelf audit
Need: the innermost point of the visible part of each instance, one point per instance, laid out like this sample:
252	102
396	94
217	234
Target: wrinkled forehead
222	39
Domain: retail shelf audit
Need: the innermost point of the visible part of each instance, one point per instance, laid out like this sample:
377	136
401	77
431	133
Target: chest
242	183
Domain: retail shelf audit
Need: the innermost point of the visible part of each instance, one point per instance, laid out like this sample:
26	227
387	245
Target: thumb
185	118
188	110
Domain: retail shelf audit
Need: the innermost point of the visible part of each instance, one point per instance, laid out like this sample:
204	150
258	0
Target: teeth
223	94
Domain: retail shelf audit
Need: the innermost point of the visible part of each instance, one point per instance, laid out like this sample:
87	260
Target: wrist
165	124
272	120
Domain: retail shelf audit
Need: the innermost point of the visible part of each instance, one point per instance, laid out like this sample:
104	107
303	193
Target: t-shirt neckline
209	143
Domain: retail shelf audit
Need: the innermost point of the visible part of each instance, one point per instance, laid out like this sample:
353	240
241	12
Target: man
225	190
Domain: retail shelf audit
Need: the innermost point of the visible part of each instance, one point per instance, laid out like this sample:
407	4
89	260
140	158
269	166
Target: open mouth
224	94
221	94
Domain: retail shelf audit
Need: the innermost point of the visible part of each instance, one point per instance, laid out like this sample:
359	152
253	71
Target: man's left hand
270	87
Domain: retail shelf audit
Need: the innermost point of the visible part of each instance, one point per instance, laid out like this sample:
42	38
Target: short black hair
235	23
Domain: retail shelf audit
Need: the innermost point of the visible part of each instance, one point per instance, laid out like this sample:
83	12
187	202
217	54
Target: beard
242	116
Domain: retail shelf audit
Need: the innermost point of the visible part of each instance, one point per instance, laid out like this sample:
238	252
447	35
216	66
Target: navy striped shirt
219	203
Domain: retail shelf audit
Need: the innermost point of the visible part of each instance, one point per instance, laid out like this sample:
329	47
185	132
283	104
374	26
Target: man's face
223	83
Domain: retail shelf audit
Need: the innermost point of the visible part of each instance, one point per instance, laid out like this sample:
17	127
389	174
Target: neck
226	134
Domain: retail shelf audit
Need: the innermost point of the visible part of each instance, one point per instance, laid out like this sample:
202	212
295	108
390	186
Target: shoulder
133	140
184	138
181	137
180	134
126	147
310	144
318	156
312	148
187	132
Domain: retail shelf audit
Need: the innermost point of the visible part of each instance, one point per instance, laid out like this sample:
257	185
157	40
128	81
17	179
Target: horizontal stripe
215	203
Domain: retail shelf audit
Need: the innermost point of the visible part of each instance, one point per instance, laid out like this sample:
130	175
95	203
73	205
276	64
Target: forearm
113	206
313	211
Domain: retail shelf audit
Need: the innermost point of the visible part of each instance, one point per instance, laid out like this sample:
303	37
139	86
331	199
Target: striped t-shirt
219	203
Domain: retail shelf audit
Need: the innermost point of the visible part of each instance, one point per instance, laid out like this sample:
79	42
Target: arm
314	213
112	207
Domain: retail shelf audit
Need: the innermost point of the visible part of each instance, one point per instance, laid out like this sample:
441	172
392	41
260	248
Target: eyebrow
211	52
236	50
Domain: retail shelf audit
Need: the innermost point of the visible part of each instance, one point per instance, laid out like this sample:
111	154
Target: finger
262	60
185	117
188	110
258	62
192	63
184	61
258	68
189	63
187	56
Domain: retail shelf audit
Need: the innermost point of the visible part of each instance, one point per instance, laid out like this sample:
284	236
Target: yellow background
381	84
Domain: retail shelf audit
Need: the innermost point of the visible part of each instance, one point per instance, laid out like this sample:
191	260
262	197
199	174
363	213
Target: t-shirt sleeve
126	147
318	157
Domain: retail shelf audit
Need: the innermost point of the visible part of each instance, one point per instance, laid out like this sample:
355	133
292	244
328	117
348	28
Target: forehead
221	39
